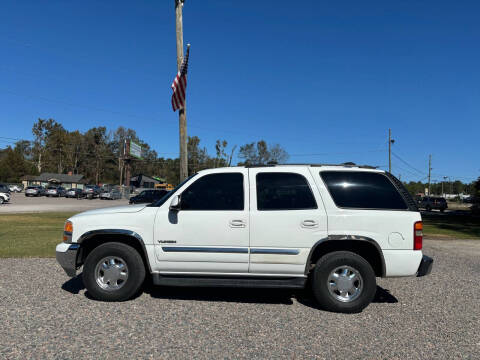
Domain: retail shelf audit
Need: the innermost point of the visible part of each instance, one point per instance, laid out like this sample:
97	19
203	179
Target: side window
215	192
283	191
362	190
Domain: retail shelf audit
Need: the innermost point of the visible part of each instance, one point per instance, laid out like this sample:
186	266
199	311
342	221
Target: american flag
179	85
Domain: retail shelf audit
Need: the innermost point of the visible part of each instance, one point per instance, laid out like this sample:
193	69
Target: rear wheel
343	282
113	272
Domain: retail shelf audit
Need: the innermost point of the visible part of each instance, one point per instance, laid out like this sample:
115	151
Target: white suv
266	226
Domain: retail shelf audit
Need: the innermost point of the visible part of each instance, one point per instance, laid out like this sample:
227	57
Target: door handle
309	224
237	223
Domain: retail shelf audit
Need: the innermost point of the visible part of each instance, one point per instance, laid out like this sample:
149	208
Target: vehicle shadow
384	296
224	294
74	285
381	296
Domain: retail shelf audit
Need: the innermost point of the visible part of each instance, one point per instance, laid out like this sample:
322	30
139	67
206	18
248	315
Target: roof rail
259	165
347	164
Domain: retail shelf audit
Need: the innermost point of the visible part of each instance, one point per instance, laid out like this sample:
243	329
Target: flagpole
182	113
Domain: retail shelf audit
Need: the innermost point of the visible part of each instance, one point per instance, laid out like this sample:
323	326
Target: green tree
221	158
197	156
14	165
260	154
97	149
40	133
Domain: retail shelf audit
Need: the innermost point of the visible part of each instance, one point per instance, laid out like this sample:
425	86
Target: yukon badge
167	241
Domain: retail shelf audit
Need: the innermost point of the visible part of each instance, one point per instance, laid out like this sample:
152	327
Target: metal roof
64	178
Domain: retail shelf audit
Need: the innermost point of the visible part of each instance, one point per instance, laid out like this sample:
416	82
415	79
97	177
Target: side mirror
175	203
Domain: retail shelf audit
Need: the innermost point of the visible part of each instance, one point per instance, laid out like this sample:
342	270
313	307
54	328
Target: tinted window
168	194
283	191
215	192
364	190
158	194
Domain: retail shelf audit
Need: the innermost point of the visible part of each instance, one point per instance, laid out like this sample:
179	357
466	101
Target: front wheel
343	282
113	272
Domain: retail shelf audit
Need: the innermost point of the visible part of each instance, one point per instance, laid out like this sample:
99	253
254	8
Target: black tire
136	272
442	210
320	282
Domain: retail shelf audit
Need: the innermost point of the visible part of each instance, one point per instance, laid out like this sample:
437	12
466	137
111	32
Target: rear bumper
425	267
66	255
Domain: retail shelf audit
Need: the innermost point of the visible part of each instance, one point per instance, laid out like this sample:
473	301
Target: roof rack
347	164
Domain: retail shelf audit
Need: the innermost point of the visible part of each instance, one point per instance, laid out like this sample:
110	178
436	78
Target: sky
324	79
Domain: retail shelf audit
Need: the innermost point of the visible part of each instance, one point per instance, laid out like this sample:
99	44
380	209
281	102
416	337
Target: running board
213	281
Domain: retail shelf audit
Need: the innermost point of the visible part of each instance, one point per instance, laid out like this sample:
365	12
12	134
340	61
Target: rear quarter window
362	190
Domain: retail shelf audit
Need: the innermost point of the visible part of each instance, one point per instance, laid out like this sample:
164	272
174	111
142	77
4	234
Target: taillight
417	235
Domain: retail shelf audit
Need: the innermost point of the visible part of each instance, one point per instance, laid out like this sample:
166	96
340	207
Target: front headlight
67	231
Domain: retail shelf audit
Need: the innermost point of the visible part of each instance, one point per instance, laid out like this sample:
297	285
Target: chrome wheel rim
111	273
345	283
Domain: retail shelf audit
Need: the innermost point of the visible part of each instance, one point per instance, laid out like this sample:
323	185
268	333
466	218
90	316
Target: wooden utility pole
182	113
429	172
390	142
126	163
121	160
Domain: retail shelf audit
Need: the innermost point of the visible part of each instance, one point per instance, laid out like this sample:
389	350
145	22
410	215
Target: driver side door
209	234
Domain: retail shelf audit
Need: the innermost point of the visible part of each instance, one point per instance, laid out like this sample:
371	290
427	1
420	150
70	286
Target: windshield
167	196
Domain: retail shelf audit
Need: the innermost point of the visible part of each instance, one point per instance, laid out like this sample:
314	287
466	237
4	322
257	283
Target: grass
454	226
31	235
37	234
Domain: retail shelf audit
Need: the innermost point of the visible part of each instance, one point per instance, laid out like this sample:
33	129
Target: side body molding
345	238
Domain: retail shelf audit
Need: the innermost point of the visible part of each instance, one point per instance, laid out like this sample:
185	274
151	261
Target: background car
148	196
433	202
15	188
113	194
34	190
4	188
4	197
55	191
73	193
469	200
92	191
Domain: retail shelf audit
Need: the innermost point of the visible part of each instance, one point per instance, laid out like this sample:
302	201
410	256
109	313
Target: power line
410	172
406	163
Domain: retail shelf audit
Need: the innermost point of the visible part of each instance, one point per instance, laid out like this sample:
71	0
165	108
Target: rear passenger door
287	217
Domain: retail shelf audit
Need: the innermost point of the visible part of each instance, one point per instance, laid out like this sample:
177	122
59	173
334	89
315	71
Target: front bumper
66	255
425	266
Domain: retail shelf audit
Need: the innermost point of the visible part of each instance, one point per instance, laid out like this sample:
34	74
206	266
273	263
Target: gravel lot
19	203
45	315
